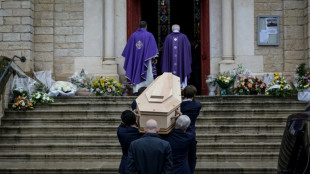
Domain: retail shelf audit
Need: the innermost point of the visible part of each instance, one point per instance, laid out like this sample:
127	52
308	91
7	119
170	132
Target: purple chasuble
177	57
140	48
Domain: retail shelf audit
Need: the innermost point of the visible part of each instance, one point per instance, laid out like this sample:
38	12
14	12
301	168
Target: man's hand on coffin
177	114
136	113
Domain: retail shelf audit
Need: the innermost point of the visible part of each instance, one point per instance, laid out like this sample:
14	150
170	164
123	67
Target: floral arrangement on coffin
250	86
303	79
62	88
81	80
22	103
279	87
107	86
225	81
40	97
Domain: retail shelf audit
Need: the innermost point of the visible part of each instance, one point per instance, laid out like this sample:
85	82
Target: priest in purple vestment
177	56
140	58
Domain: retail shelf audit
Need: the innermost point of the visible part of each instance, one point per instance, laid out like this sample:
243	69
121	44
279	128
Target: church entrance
193	18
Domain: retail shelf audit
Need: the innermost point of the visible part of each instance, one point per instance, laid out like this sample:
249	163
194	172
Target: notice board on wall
268	30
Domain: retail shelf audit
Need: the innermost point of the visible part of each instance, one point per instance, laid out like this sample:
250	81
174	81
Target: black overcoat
182	145
125	136
149	155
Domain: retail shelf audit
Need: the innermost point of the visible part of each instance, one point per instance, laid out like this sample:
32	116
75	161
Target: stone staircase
236	135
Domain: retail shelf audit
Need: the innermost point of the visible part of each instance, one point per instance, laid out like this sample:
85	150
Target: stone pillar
227	32
109	63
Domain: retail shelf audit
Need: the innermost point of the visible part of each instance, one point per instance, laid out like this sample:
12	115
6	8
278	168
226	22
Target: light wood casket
159	102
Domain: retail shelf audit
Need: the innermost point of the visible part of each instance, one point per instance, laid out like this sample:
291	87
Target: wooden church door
134	16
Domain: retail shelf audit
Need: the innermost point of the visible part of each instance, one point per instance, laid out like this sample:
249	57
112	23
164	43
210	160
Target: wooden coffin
159	102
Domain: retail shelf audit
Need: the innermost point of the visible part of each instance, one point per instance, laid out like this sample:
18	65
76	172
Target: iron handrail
8	70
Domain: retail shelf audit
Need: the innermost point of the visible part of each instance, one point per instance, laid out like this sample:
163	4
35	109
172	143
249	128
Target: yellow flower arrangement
279	87
107	86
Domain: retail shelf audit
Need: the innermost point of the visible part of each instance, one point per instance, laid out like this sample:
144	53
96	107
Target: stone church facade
64	36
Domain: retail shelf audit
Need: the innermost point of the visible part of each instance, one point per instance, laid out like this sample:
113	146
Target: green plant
303	79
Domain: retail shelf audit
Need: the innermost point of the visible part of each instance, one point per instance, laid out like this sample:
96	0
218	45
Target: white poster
264	36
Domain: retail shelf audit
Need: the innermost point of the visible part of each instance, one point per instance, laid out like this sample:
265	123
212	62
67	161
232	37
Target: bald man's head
151	126
175	27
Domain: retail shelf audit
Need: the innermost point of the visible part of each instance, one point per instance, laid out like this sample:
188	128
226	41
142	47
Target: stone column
227	32
109	63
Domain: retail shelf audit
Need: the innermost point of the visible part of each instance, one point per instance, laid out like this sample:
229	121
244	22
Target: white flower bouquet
40	97
62	88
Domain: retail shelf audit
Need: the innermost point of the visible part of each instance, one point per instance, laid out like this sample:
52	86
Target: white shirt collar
187	100
175	31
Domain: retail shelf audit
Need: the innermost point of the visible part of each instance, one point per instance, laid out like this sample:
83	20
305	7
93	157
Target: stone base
253	63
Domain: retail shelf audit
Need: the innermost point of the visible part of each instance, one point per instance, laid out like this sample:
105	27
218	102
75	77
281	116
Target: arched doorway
185	14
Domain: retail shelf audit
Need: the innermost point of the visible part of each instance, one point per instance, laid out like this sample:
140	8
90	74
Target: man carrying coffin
182	145
177	56
140	53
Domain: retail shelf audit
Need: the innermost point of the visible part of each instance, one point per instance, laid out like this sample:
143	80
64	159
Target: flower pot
83	92
211	83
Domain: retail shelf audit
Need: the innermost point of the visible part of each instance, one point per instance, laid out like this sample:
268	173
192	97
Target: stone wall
307	31
44	35
16	30
58	35
4	98
294	40
271	54
291	51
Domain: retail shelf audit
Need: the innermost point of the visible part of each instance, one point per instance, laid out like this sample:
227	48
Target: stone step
61	121
103	121
129	99
92	99
112	167
112	138
240	129
115	147
248	112
119	105
210	129
249	98
111	157
115	114
254	105
103	106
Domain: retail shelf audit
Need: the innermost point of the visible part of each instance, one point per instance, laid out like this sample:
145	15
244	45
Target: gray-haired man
182	144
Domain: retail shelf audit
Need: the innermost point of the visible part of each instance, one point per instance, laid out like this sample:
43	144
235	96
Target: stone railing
6	79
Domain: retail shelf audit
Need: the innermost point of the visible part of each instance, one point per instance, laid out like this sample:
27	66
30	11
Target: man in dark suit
191	108
126	133
182	144
150	154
